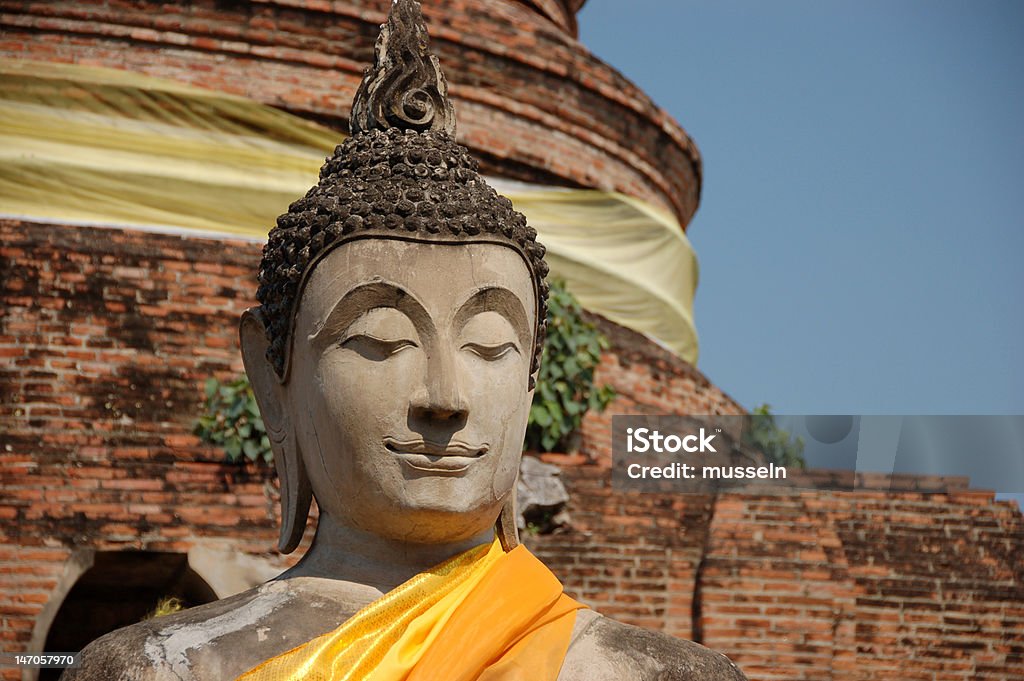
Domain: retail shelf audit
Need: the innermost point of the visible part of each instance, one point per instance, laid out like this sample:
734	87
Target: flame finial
405	87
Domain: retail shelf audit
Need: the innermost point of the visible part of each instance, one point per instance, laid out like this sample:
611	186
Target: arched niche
120	588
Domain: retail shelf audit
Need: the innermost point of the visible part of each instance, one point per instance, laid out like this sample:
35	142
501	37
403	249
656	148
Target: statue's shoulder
218	640
603	649
117	656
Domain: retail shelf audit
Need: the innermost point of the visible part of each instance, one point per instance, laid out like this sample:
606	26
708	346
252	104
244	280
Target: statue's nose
440	397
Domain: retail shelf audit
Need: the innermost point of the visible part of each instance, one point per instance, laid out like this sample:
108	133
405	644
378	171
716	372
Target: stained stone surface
540	494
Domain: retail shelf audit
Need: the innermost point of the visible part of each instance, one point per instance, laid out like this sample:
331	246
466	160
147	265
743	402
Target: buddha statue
393	356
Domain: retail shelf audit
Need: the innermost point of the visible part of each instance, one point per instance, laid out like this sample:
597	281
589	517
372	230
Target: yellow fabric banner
484	615
91	146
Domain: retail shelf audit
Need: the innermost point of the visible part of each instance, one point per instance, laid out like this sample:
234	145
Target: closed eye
376	349
491	352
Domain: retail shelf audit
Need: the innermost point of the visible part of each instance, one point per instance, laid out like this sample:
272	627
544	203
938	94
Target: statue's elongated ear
296	493
506	528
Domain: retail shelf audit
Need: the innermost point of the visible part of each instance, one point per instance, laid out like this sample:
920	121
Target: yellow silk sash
484	615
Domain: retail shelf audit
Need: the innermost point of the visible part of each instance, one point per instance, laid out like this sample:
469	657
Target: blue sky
861	231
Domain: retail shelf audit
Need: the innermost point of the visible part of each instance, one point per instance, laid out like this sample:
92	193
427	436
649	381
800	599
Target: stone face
409	391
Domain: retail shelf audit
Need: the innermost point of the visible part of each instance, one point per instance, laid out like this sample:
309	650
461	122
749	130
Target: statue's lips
453	457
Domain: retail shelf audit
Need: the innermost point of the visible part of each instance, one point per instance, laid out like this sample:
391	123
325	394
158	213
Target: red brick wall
105	337
562	13
105	340
532	103
866	585
856	585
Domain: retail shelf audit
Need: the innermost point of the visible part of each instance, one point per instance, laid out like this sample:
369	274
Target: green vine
565	391
565	384
232	420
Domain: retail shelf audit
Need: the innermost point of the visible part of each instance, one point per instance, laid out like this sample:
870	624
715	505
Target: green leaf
540	415
235	410
251	449
555	410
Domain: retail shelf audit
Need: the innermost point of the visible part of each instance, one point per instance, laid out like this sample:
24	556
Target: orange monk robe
484	615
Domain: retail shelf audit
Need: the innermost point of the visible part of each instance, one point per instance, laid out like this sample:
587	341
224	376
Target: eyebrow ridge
374	294
510	307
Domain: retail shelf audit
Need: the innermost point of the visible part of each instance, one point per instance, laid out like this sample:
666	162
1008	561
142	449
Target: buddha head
401	319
